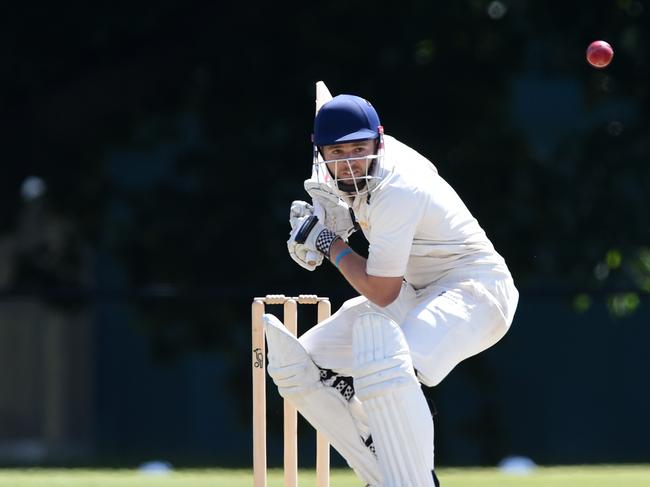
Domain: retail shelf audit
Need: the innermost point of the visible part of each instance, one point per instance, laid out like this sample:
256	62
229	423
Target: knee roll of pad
381	356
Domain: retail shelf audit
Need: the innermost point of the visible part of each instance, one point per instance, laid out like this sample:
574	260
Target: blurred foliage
172	137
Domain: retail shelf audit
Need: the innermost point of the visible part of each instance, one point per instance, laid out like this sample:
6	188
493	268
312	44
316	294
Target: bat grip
312	257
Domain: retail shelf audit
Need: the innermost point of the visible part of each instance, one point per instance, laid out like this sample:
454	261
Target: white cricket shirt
418	227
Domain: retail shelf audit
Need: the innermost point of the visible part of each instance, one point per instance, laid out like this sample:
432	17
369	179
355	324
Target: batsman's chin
351	186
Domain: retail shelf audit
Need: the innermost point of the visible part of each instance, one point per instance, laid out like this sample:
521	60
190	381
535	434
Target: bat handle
312	257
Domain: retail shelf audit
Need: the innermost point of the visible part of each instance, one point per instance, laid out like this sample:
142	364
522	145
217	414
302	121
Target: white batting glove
337	214
309	259
309	238
304	256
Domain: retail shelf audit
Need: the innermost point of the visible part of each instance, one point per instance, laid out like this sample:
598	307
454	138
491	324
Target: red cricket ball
599	54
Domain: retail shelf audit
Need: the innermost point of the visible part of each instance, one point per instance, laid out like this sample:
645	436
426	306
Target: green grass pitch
578	476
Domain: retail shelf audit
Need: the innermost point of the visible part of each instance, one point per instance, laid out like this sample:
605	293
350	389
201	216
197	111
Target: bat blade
323	95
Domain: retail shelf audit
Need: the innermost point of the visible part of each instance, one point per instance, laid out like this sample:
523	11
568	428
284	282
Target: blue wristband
342	254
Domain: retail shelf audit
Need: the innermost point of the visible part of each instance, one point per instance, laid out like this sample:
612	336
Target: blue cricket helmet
346	118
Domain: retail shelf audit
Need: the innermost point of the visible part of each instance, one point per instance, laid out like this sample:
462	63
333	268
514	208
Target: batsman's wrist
325	240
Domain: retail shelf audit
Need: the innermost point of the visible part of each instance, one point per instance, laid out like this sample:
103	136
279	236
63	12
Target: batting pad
399	418
328	413
298	380
291	368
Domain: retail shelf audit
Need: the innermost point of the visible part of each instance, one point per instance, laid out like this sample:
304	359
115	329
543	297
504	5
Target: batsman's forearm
381	291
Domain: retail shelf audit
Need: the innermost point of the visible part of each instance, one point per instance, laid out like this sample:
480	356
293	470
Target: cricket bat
323	95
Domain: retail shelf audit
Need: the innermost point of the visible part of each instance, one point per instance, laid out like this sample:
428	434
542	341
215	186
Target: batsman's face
349	160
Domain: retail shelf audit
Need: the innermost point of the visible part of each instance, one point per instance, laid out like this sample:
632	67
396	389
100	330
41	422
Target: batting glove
308	238
337	214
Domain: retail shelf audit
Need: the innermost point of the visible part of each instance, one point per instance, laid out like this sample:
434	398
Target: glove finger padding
298	210
321	191
313	236
298	253
338	216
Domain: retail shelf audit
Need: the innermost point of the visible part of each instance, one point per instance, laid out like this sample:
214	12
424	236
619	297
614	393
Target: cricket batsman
432	292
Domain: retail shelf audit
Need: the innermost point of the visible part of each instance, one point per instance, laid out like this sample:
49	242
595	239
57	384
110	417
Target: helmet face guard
347	118
332	171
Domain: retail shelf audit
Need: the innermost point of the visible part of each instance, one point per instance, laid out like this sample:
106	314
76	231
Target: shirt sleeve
393	220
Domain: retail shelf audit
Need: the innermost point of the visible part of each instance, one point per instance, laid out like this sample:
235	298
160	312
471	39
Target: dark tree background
151	150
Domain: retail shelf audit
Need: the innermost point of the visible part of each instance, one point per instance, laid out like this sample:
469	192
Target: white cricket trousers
444	324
